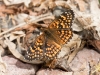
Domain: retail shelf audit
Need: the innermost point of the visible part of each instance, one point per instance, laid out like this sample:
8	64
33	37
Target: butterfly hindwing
35	52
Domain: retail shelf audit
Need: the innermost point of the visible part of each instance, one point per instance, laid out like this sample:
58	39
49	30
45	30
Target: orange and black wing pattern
46	47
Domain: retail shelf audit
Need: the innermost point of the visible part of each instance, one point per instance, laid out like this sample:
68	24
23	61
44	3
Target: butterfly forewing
62	26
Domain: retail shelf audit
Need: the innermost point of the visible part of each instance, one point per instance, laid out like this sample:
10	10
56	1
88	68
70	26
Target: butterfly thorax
51	35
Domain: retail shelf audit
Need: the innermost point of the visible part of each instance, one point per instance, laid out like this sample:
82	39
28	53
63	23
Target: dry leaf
2	65
11	2
15	35
81	4
95	44
97	68
36	3
3	52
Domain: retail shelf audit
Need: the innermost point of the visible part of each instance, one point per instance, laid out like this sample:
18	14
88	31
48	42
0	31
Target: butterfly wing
43	49
35	52
61	26
51	49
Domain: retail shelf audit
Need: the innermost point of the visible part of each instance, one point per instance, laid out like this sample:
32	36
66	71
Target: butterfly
47	46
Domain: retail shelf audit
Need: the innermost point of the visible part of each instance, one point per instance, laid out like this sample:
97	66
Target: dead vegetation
19	27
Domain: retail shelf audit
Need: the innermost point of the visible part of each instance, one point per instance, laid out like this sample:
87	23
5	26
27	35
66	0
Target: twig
39	18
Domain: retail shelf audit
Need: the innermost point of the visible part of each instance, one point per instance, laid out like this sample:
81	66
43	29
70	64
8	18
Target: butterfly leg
51	64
